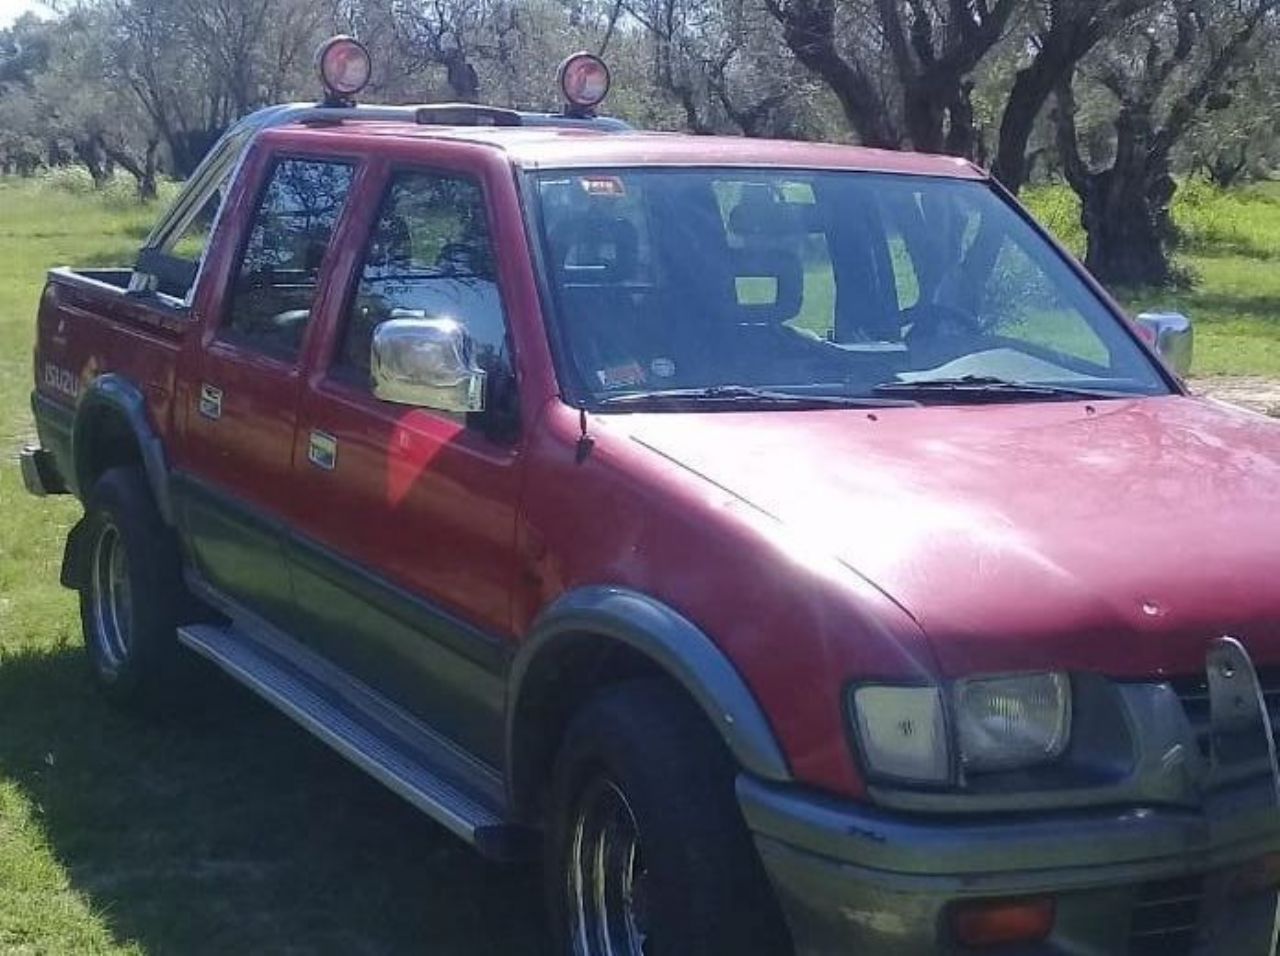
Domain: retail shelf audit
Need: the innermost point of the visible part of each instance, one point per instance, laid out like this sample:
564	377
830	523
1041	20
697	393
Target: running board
373	735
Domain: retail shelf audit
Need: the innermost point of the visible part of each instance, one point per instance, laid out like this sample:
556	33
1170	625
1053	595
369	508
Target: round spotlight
584	80
344	67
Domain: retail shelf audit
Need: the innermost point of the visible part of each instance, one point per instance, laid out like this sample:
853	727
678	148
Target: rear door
404	557
246	379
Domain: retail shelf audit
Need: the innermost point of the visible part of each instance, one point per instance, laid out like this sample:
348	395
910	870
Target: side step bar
369	732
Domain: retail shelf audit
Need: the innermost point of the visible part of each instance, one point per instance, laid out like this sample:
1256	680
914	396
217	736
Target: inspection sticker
603	186
621	376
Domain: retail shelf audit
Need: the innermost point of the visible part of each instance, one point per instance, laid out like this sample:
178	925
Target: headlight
902	733
1011	722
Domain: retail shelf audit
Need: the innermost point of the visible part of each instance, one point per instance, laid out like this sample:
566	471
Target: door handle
322	450
210	404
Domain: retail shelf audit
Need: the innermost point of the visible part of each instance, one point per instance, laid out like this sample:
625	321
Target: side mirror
1173	336
427	363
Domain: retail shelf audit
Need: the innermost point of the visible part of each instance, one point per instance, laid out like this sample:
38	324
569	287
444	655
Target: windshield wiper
750	395
991	388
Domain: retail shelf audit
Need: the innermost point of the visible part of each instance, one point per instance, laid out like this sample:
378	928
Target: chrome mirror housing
427	363
1173	336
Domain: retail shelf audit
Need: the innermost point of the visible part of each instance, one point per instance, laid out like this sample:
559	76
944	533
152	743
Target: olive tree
1161	74
900	68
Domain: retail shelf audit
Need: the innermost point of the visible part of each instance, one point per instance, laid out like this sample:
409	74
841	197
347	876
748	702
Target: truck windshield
804	288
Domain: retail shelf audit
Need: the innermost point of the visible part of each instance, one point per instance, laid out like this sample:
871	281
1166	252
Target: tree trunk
1031	89
923	115
808	28
89	153
461	76
1055	60
963	138
1125	242
143	172
1125	209
147	185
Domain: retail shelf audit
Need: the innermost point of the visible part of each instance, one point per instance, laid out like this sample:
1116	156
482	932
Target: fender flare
671	642
115	395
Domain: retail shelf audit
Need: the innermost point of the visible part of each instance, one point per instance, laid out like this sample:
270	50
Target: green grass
1231	247
224	830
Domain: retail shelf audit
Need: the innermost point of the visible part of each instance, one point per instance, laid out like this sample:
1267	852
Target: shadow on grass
1230	305
1209	304
228	829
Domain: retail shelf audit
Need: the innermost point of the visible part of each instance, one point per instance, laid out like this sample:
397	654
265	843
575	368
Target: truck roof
537	147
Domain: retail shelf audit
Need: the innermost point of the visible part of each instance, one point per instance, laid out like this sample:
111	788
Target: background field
230	831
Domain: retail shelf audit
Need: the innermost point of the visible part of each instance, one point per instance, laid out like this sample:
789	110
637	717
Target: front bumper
854	880
1173	880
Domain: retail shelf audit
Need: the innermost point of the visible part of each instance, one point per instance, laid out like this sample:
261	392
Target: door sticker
322	451
210	402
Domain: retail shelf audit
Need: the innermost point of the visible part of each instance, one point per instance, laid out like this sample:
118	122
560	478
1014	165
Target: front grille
1166	917
1194	694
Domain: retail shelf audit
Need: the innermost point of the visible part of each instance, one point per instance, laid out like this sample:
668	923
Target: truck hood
1118	536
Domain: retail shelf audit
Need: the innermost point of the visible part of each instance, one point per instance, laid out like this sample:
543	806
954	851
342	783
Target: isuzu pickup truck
789	544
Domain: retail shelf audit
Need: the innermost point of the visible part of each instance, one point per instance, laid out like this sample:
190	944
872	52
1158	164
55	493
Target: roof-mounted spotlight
584	81
345	67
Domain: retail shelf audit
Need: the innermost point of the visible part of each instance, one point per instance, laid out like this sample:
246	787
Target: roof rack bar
226	152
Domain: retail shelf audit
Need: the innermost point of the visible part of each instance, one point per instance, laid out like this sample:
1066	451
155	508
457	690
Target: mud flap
1242	796
75	557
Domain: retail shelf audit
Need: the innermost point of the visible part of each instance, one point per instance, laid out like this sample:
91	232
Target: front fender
669	641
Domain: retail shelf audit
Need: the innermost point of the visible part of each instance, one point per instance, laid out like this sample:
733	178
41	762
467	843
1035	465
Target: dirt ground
1251	391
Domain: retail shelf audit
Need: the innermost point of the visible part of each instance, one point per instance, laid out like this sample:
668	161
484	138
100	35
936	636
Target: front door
238	445
405	555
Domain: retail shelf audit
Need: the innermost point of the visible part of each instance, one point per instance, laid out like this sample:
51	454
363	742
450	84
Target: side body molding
668	640
113	394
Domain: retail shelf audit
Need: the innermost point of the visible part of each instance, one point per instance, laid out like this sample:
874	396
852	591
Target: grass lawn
225	831
228	830
1231	246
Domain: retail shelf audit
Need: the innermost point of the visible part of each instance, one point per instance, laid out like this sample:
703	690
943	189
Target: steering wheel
939	331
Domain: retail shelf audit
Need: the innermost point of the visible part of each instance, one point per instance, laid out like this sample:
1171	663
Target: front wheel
648	854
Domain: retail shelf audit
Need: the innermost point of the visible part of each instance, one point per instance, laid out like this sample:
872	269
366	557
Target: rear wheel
132	598
648	854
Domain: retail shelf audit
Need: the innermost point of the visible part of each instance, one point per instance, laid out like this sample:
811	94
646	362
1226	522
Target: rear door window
279	273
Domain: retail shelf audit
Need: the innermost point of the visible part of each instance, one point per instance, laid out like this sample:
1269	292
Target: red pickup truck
789	543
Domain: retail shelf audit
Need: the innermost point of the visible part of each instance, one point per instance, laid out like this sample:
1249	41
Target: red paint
814	547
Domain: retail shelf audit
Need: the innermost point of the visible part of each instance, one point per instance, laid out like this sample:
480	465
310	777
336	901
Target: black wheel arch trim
670	641
114	394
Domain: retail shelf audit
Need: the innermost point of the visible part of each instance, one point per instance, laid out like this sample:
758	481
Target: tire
132	598
643	782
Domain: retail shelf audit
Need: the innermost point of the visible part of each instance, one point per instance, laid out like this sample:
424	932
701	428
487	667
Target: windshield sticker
662	367
621	376
610	186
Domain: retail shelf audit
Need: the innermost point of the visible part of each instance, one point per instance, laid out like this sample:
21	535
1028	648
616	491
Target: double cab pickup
788	544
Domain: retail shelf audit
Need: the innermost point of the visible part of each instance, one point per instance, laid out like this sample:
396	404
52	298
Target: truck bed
89	325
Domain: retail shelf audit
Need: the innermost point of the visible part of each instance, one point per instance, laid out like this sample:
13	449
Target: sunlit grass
1230	246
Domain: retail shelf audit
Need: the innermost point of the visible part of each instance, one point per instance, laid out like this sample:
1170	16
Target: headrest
761	215
787	272
595	250
392	245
